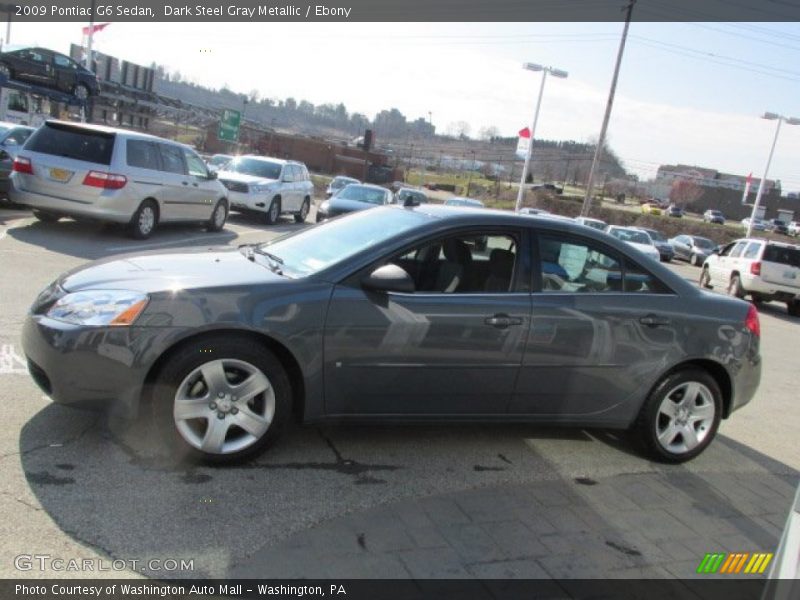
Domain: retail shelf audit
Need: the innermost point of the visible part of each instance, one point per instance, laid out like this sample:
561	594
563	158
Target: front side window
195	164
462	264
256	167
63	62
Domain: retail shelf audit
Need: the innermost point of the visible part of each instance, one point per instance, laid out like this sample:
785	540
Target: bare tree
488	133
684	192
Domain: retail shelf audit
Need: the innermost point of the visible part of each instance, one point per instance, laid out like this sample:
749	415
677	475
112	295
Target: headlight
260	189
99	308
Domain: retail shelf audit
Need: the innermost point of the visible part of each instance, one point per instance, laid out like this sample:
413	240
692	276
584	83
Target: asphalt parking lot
390	501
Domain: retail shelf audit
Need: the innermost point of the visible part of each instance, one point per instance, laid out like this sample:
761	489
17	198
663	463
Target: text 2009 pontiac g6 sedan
399	314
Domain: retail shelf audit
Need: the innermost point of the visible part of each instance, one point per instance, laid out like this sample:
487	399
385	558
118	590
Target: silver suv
268	185
91	171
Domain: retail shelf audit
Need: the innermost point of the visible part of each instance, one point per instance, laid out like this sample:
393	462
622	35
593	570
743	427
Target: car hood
342	205
158	271
244	178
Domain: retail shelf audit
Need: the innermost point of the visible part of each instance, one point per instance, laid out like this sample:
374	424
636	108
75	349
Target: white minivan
109	174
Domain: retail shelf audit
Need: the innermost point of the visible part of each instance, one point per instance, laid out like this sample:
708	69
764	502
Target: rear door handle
502	321
185	182
654	321
195	185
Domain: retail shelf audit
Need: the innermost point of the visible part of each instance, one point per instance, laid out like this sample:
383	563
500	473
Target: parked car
268	186
12	137
353	198
593	223
661	243
758	224
409	195
778	226
674	211
693	248
461	201
635	238
115	175
218	161
794	228
651	208
44	67
763	269
338	183
548	187
405	310
714	216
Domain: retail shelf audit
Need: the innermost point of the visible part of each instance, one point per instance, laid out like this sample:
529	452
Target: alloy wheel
685	417
147	220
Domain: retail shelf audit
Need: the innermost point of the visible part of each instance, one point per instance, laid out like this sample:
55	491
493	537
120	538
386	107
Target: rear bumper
112	207
765	288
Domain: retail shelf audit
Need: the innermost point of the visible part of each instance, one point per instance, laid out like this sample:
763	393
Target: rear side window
782	255
172	159
752	250
143	155
73	142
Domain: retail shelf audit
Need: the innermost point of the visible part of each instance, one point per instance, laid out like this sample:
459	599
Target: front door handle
185	182
502	321
654	321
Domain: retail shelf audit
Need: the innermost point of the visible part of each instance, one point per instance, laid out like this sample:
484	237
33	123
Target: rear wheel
705	278
793	308
218	217
681	416
45	217
274	211
81	92
735	287
144	220
694	260
222	400
303	214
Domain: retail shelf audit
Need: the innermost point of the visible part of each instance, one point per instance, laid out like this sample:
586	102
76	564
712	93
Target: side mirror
389	278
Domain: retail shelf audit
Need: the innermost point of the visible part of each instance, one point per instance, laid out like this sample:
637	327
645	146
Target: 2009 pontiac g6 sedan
407	314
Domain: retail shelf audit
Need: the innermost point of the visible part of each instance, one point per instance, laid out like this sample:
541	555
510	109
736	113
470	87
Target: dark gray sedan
397	314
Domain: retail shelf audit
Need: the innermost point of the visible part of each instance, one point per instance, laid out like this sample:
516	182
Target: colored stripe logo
735	563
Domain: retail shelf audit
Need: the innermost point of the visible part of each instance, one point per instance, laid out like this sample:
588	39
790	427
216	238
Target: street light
780	119
545	70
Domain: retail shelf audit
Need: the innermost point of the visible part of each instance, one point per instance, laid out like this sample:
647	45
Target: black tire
705	278
273	212
45	217
304	208
81	92
189	358
217	222
650	421
757	299
793	308
735	287
141	225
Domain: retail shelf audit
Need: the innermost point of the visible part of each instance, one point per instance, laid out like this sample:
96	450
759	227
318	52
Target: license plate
61	175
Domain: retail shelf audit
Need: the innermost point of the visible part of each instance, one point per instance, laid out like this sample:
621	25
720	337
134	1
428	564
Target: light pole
545	70
771	117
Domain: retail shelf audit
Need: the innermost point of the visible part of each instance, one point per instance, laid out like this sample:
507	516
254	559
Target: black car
44	67
12	136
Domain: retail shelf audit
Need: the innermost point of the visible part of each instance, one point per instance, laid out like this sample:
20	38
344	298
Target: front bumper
242	201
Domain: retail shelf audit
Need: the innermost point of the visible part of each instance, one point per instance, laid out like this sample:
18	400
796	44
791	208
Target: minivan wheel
681	416
81	92
45	217
221	400
144	220
735	287
301	216
274	211
218	217
705	278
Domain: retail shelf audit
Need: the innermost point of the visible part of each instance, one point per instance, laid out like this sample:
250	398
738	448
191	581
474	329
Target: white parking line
180	241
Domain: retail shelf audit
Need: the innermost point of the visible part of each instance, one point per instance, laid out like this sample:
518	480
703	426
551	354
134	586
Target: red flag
525	133
749	179
95	28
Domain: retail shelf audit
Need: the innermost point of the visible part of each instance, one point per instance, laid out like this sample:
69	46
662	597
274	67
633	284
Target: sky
690	93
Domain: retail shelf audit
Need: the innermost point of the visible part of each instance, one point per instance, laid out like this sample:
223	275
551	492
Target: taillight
755	268
22	165
751	321
107	181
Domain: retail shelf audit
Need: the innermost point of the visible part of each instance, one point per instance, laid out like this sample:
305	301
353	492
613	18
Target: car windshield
220	160
704	243
311	250
463	202
255	167
360	193
631	235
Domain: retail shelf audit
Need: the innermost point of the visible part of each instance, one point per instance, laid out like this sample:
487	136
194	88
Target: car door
683	246
202	190
291	202
177	203
601	325
64	72
453	346
34	65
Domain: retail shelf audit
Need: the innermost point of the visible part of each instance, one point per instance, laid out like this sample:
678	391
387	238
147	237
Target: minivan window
196	166
782	255
70	141
172	159
142	154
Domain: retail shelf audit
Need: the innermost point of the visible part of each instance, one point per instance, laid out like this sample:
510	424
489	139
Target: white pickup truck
763	269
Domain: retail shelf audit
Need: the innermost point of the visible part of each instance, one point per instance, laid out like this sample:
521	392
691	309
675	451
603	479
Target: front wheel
144	220
735	287
221	400
694	260
218	217
681	416
303	214
274	211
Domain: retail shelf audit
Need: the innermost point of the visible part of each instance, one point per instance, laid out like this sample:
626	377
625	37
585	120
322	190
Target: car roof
369	185
280	161
11	125
115	130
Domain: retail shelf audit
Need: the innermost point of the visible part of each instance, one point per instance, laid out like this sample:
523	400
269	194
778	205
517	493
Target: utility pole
587	200
89	57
